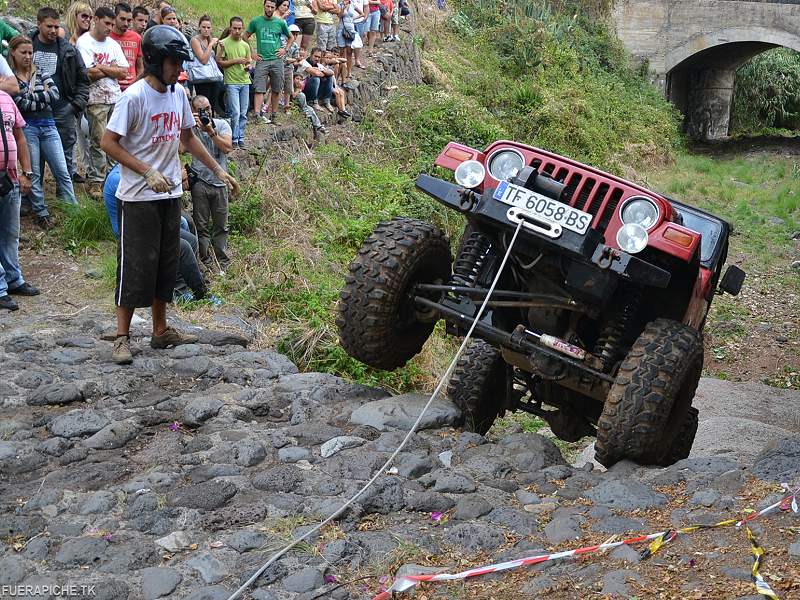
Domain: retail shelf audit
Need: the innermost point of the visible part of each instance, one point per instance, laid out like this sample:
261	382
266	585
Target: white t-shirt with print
108	52
150	123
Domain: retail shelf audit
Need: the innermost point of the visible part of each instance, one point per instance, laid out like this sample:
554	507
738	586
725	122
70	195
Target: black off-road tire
647	406
682	445
478	385
376	316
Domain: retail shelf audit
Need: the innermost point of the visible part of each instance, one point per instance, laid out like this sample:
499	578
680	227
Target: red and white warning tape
406	582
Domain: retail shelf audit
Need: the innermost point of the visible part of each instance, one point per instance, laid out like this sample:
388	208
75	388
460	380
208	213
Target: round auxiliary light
470	174
641	211
505	165
632	238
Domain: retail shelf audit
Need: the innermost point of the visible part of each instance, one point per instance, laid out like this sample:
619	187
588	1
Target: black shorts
148	251
307	25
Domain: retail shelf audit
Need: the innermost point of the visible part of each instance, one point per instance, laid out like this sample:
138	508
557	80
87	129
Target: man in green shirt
7	33
233	57
269	54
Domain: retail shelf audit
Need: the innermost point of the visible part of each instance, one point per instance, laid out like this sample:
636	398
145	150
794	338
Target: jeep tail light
678	237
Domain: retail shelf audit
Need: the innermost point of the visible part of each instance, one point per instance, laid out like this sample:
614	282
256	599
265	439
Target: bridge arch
693	48
734	38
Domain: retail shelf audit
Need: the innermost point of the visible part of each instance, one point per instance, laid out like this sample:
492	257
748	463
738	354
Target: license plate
542	207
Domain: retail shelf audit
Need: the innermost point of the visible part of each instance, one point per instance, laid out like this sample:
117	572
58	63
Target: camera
205	118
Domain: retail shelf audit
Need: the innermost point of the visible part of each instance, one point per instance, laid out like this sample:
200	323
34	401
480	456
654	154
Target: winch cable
379	472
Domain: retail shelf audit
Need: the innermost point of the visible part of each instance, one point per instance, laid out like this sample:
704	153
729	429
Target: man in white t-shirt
106	66
150	122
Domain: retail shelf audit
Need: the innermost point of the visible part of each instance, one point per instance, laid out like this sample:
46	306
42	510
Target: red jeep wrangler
595	324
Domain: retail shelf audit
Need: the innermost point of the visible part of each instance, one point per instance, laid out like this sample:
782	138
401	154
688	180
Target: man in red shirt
129	40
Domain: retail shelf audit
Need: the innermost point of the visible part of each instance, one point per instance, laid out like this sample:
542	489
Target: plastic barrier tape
658	540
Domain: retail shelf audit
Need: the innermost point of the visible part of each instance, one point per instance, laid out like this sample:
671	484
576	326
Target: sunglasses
85	16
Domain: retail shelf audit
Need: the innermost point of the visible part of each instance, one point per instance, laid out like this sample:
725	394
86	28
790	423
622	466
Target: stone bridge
694	47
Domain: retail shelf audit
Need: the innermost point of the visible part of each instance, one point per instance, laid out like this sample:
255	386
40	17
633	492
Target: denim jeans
44	145
319	89
10	273
238	103
309	112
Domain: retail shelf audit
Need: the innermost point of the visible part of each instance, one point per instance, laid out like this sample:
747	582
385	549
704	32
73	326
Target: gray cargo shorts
272	69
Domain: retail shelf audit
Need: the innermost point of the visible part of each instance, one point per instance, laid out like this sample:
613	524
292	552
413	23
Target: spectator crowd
61	81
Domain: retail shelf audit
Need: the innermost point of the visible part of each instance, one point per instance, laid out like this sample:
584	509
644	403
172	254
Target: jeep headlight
632	238
505	164
470	174
641	211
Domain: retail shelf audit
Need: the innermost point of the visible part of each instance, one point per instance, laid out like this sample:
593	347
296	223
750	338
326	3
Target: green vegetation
760	196
558	79
767	96
84	225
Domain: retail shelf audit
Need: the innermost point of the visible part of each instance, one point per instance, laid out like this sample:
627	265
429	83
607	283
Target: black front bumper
591	257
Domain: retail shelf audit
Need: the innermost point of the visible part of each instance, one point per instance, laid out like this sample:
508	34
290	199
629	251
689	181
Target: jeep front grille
589	194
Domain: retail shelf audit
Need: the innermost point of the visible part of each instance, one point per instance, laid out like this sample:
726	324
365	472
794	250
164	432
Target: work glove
228	180
157	182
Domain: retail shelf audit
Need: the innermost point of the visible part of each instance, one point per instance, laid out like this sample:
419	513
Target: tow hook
607	258
467	199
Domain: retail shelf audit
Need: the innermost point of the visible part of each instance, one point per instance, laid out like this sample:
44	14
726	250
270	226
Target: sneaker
345	114
8	303
273	118
78	178
388	38
44	222
321	129
121	354
315	105
264	118
171	337
329	107
26	289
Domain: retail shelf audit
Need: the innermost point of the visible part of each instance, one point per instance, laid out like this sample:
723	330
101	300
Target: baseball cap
294	28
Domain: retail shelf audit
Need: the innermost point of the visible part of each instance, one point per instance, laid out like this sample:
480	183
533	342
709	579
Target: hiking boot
26	289
44	222
121	354
8	303
171	337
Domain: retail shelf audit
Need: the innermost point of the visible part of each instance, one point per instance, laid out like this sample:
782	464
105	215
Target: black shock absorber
610	343
467	266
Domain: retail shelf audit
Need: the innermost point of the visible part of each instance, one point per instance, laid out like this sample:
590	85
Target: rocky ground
178	476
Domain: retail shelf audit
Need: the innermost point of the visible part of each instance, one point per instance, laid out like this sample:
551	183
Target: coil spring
467	267
609	344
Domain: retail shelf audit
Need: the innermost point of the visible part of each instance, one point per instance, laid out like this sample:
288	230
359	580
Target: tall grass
85	225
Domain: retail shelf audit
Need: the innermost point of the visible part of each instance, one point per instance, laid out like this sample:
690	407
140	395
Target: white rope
411	431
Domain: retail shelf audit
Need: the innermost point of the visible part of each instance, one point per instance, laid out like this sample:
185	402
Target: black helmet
160	42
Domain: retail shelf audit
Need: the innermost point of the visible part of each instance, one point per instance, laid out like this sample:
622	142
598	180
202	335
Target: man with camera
209	194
